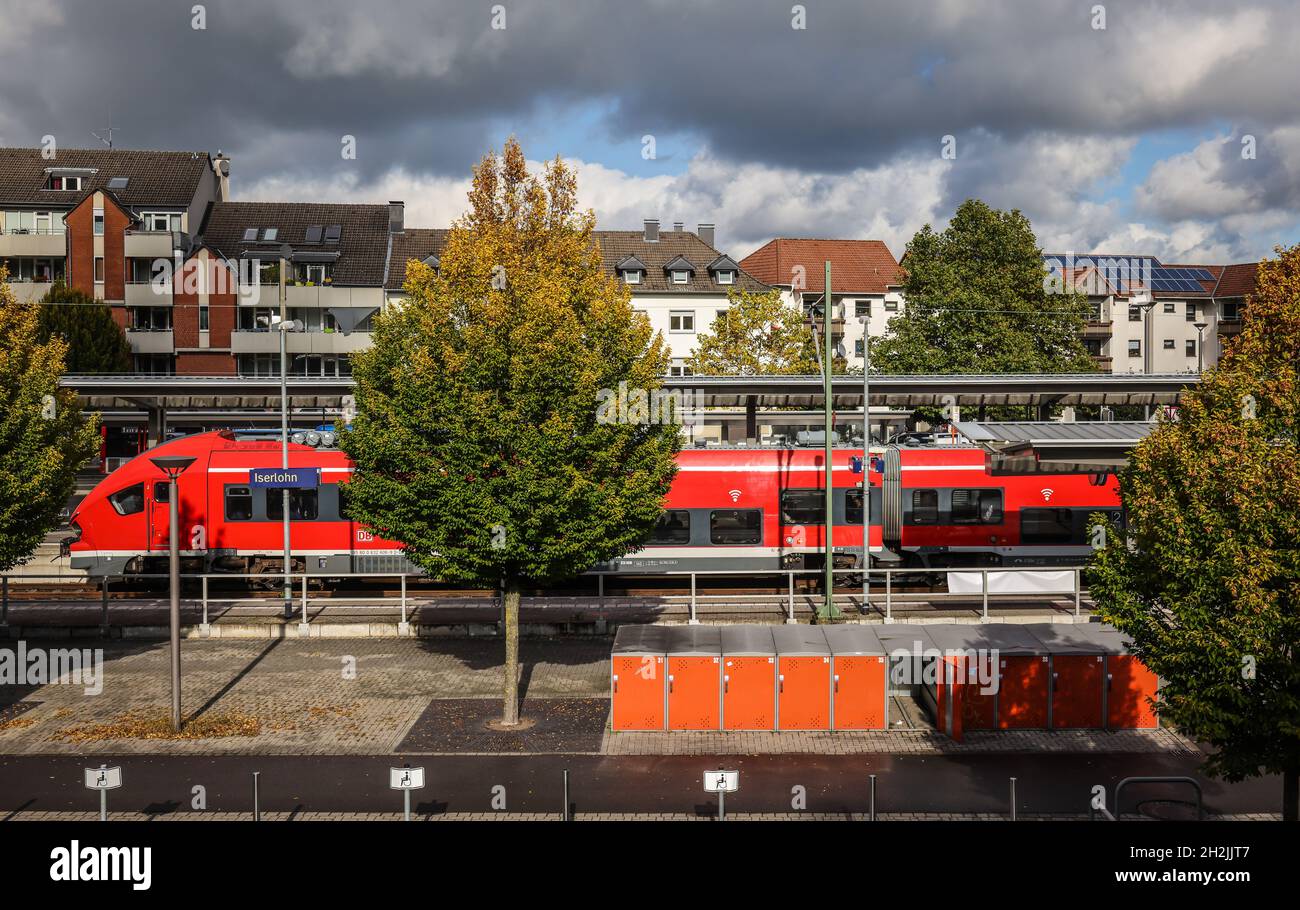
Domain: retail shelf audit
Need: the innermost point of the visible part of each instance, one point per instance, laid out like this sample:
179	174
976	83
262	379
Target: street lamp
283	326
173	466
1200	345
866	459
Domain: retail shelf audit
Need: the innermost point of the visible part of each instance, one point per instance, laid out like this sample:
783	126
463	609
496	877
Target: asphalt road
464	783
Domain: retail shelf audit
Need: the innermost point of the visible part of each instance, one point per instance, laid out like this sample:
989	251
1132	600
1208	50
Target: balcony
144	341
1104	363
22	242
263	342
153	244
1095	328
29	291
325	296
1229	327
146	293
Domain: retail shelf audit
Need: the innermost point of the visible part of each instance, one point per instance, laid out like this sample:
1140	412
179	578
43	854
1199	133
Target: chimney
705	233
221	167
678	225
396	216
652	230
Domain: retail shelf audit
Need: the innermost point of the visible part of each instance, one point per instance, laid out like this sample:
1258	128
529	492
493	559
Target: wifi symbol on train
1047	494
734	494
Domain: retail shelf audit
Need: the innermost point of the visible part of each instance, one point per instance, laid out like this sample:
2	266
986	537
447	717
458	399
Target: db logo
365	535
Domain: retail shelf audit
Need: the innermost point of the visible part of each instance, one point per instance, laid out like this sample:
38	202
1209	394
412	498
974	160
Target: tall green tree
95	343
1206	575
757	335
480	440
976	302
44	438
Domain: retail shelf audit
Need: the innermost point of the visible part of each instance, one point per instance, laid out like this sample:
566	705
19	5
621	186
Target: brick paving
581	816
301	692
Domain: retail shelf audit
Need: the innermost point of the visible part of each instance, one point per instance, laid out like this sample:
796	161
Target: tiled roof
857	266
615	246
155	178
414	243
1237	280
362	245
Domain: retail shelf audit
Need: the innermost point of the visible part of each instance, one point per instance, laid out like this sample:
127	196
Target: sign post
103	779
721	782
406	779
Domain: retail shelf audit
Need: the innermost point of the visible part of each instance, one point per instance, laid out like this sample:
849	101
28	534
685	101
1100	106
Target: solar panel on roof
332	233
314	233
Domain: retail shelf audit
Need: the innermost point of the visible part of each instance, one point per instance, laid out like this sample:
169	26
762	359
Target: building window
1191	348
862	308
632	276
681	276
151	318
1169	344
64	183
99	270
1191	312
203	318
681	321
154	364
1135	314
1135	348
1231	309
98	218
1169	307
160	222
726	277
891	305
680	367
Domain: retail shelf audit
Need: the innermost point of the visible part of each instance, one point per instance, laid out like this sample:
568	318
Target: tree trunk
510	706
1291	794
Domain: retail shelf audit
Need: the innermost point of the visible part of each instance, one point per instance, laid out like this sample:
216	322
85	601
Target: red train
728	509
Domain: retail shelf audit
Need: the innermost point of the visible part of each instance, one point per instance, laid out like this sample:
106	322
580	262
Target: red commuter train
729	509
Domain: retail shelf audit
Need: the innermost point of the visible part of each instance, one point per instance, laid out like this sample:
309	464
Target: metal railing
868	600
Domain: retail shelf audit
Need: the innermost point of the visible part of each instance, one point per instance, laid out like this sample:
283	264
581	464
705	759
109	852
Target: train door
159	515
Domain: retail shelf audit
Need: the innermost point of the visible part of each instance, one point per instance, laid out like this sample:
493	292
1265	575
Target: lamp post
173	466
828	610
1200	345
866	459
286	256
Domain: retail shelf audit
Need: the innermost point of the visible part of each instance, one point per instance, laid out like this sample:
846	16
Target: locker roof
748	640
853	638
801	640
895	636
694	640
1069	638
641	639
1006	638
1116	642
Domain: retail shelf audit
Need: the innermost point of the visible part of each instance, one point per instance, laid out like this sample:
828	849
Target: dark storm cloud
430	86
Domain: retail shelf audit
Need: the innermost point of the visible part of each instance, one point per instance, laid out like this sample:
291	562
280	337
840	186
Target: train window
976	507
239	504
736	526
803	507
853	507
925	507
1046	526
128	501
303	505
161	491
674	526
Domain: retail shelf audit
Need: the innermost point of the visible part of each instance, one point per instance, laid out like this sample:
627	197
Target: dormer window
723	269
64	182
630	269
726	277
681	276
631	276
680	270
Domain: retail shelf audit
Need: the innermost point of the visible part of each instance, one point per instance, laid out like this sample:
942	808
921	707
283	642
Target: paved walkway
428	697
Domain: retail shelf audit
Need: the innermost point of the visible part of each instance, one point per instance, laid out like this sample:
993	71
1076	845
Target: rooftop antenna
108	129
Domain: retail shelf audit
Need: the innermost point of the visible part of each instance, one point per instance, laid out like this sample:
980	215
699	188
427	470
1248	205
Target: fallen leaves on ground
158	725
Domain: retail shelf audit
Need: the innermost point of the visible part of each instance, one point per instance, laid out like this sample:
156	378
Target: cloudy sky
1174	130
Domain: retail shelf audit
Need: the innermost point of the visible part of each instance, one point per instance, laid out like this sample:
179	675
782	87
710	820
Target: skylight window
333	232
250	234
314	233
270	233
118	183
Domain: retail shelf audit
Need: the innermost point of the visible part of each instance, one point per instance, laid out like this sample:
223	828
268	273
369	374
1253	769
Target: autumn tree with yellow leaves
479	440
